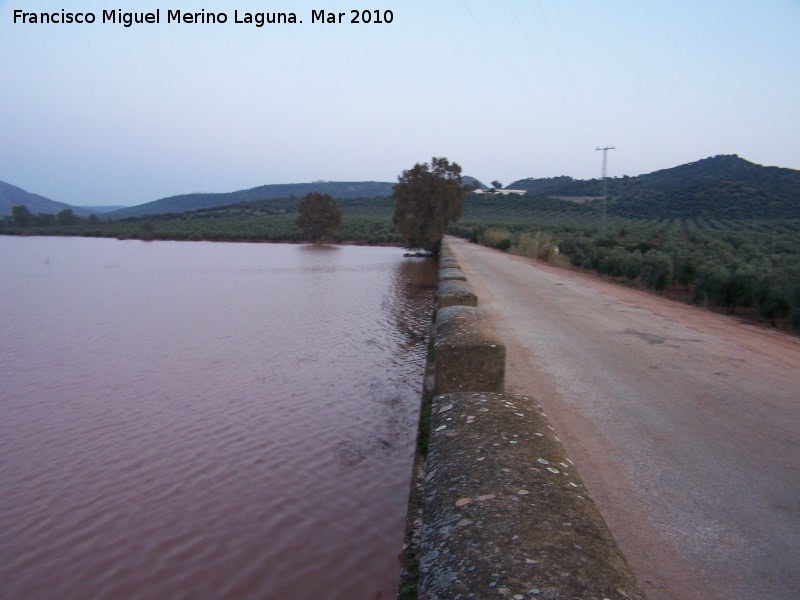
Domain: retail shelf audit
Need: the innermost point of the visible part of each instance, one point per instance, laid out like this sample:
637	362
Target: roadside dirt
684	424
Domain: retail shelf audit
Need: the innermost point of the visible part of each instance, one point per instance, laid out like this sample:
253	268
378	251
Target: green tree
497	185
772	299
738	289
632	265
44	219
686	271
22	215
66	217
657	270
610	262
319	217
709	283
147	230
794	306
427	198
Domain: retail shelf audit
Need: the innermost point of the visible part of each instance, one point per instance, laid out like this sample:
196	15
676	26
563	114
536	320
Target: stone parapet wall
451	273
505	514
497	510
455	292
468	354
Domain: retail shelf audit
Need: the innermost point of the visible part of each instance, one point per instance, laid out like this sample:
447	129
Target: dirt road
684	424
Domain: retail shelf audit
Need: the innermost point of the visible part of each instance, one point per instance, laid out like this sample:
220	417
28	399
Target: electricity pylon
605	187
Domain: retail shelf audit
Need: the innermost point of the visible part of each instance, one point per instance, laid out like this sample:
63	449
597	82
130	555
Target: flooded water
206	420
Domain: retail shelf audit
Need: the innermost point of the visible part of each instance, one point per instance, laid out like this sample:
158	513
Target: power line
566	70
505	58
514	70
542	64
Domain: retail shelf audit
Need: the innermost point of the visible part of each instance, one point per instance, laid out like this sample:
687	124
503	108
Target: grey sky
103	114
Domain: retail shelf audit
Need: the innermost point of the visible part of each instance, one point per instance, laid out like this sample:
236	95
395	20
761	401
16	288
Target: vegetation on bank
729	264
364	221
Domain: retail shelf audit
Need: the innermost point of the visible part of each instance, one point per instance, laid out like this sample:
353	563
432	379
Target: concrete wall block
455	292
468	354
505	514
451	273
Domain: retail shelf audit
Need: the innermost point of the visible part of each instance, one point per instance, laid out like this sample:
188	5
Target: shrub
539	245
496	238
656	270
611	261
737	289
794	305
771	299
632	265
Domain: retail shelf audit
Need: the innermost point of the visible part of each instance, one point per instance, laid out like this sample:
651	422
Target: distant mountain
184	202
11	195
720	186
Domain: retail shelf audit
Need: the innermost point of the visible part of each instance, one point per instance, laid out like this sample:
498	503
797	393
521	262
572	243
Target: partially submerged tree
319	217
427	198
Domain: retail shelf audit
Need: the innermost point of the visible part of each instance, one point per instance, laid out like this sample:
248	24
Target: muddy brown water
206	420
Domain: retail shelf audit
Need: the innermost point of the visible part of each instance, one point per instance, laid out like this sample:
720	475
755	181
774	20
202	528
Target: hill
11	195
723	186
719	186
337	189
103	209
184	202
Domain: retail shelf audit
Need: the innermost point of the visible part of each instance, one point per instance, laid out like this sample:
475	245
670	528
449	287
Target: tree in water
319	217
427	198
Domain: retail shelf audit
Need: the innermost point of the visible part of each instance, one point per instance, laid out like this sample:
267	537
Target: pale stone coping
451	273
468	354
504	512
455	292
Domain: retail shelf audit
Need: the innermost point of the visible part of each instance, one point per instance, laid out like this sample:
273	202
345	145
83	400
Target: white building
502	191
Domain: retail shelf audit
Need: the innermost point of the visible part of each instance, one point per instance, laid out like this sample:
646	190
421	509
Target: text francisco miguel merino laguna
128	19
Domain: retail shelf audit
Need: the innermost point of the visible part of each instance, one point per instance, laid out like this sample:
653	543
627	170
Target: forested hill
720	186
723	186
337	189
184	202
11	195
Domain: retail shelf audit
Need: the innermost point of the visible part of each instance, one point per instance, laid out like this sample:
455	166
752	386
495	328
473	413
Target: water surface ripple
206	420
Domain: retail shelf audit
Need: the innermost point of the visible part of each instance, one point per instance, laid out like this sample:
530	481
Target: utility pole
605	187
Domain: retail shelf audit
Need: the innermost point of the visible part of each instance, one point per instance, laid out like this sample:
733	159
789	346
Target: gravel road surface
684	424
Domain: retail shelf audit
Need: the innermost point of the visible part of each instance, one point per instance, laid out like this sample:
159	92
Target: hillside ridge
722	185
727	185
11	195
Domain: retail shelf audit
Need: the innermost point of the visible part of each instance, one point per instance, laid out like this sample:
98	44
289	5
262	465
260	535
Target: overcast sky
102	114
